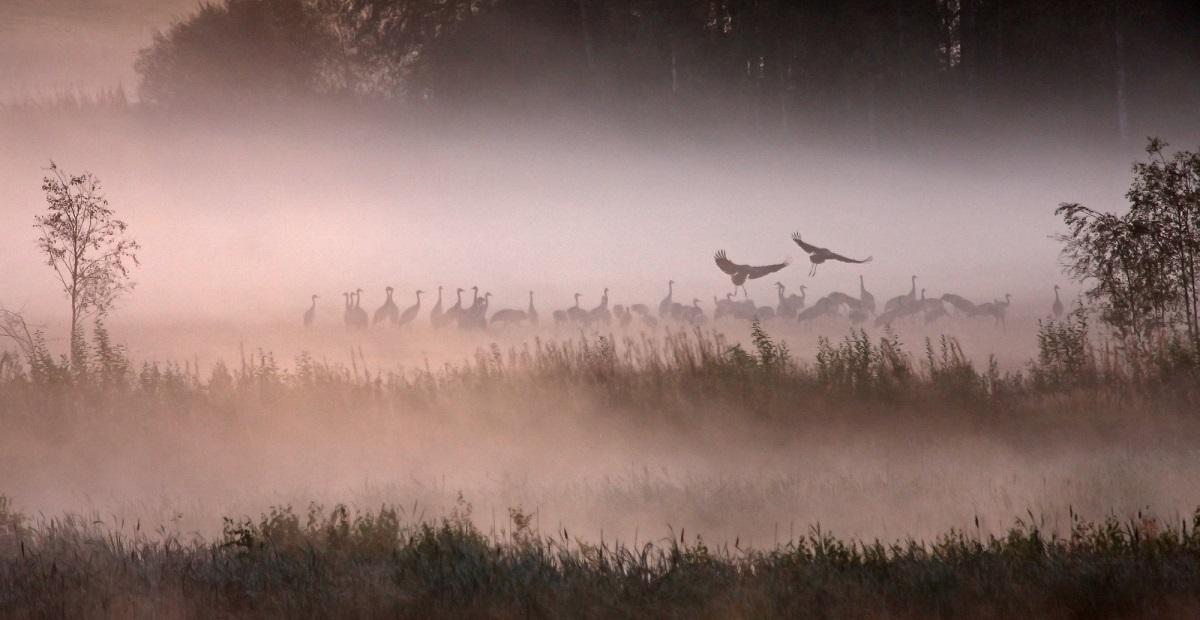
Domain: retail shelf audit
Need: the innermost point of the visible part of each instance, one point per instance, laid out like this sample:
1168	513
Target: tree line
885	66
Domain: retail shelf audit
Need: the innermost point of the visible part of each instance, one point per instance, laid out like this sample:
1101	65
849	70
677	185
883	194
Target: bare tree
86	246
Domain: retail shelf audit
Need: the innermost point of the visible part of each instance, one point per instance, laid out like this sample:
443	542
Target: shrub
1064	354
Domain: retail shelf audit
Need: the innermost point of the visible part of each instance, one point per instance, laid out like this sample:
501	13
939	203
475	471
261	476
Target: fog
50	46
615	473
241	217
245	222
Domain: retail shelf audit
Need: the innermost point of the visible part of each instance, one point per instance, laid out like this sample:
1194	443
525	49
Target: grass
393	561
671	375
384	562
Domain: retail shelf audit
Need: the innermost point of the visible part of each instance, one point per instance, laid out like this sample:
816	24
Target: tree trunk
1121	103
587	34
674	71
999	69
969	50
76	339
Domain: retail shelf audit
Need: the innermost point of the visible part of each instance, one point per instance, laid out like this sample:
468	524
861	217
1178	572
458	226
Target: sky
51	46
250	217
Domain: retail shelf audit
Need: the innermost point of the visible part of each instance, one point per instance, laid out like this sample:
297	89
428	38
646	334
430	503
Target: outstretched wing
807	247
836	256
726	265
758	272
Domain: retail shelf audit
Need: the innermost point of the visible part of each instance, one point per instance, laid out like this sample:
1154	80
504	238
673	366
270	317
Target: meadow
679	472
198	417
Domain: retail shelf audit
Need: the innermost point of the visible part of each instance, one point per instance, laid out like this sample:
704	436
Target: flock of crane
789	307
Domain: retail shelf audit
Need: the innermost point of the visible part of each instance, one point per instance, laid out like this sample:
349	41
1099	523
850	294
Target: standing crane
311	313
410	313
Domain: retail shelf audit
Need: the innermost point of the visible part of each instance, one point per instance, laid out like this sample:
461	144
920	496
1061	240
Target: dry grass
867	433
338	563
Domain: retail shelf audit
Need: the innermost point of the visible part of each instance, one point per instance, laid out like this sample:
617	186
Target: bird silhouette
388	311
476	316
839	299
623	315
512	316
454	313
740	273
693	314
311	313
963	305
933	307
722	307
465	315
577	314
644	312
664	306
410	312
509	316
358	315
601	313
790	305
532	313
866	299
436	315
745	309
820	308
933	313
896	313
997	309
902	300
818	255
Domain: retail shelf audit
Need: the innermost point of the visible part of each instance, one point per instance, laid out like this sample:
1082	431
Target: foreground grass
333	563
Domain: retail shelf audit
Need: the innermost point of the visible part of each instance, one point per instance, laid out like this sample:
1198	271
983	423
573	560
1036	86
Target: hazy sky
250	218
48	46
263	217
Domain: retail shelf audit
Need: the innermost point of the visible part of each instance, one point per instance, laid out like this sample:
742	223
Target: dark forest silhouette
883	67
